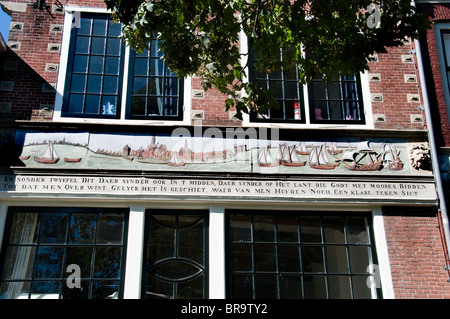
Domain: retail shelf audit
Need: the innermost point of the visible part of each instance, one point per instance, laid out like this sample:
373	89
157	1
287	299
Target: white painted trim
382	254
217	265
3	213
135	250
60	87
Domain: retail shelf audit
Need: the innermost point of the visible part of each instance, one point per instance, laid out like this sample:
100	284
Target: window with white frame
337	102
299	256
63	253
104	79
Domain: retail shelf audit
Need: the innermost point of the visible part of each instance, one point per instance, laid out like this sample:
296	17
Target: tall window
45	247
338	102
175	255
95	76
299	256
446	49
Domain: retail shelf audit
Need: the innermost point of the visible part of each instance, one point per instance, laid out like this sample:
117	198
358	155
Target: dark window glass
337	101
43	243
175	255
308	256
154	91
285	86
94	79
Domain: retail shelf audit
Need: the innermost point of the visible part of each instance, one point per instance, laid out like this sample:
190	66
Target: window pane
78	83
311	229
75	104
291	287
94	84
334	229
337	259
96	65
114	29
265	258
288	258
315	287
241	257
107	262
49	261
446	37
92	104
19	263
339	287
312	258
110	229
45	289
99	27
113	47
105	290
191	289
242	286
359	258
80	63
357	232
82	229
240	228
191	240
82	45
82	257
112	66
85	26
24	229
141	67
287	229
109	105
53	228
265	286
138	105
264	229
98	46
75	293
360	287
110	85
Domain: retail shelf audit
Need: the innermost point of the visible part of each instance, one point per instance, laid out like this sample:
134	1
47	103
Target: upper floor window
106	80
338	102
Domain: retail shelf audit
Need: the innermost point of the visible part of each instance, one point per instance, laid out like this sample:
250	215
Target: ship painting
353	160
50	156
302	150
289	157
318	159
265	158
175	160
391	157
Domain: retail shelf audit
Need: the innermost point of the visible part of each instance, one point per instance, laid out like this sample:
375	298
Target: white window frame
366	100
60	86
216	242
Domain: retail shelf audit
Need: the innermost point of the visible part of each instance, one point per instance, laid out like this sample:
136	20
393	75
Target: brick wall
437	13
34	41
415	253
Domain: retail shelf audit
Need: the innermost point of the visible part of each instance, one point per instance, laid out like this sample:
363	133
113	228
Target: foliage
202	37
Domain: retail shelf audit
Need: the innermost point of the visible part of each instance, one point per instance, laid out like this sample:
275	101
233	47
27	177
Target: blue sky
5	21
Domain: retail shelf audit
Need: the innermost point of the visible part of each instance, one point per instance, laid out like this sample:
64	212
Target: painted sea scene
164	152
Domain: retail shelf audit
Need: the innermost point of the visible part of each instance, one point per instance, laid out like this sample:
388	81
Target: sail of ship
333	149
390	157
302	150
175	160
265	158
290	157
50	156
352	159
318	159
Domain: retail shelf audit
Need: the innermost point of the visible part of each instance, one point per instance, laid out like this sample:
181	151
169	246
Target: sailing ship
390	157
265	158
290	157
50	156
333	149
302	150
318	158
175	160
352	159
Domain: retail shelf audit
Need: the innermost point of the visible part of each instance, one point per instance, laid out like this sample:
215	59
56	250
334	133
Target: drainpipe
434	155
